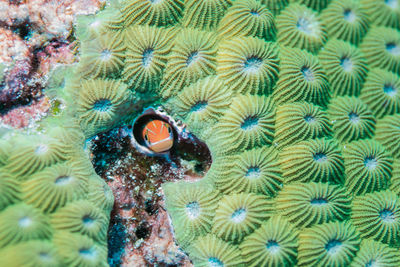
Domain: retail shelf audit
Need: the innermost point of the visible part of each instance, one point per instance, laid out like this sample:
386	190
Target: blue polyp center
349	15
390	90
25	222
387	216
249	123
307	73
238	215
320	157
253	172
193	209
102	105
44	256
41	149
333	246
88	253
370	163
304	25
87	220
372	263
192	58
252	64
393	49
105	55
255	13
346	64
214	262
272	246
319	201
63	180
147	57
353	117
393	4
199	106
309	119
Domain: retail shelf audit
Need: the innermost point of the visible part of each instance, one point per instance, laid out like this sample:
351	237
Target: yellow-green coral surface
298	178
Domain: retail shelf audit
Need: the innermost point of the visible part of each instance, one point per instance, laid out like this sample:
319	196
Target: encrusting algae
298	102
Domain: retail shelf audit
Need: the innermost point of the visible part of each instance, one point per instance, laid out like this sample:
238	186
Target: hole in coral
142	231
307	73
193	210
253	172
349	15
147	57
320	157
390	90
252	64
353	117
239	215
387	216
319	201
215	262
63	180
273	246
199	106
333	246
393	4
371	163
105	55
87	220
102	105
249	123
25	221
346	64
192	58
41	149
393	49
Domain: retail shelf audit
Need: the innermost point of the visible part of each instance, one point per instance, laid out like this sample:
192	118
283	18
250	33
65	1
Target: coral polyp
388	134
248	123
368	166
352	120
158	13
317	160
273	244
300	121
193	56
372	251
381	47
345	66
301	27
377	215
248	65
204	15
381	92
146	56
383	12
302	78
346	20
307	204
247	18
252	171
329	244
238	215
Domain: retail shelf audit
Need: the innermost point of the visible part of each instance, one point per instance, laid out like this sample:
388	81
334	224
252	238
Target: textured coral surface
300	117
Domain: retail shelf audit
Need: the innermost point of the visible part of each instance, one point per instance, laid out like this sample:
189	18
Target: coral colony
266	131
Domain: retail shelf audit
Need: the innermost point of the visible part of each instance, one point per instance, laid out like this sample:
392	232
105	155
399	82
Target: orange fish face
158	136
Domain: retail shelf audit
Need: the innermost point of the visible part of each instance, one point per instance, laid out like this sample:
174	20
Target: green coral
253	80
